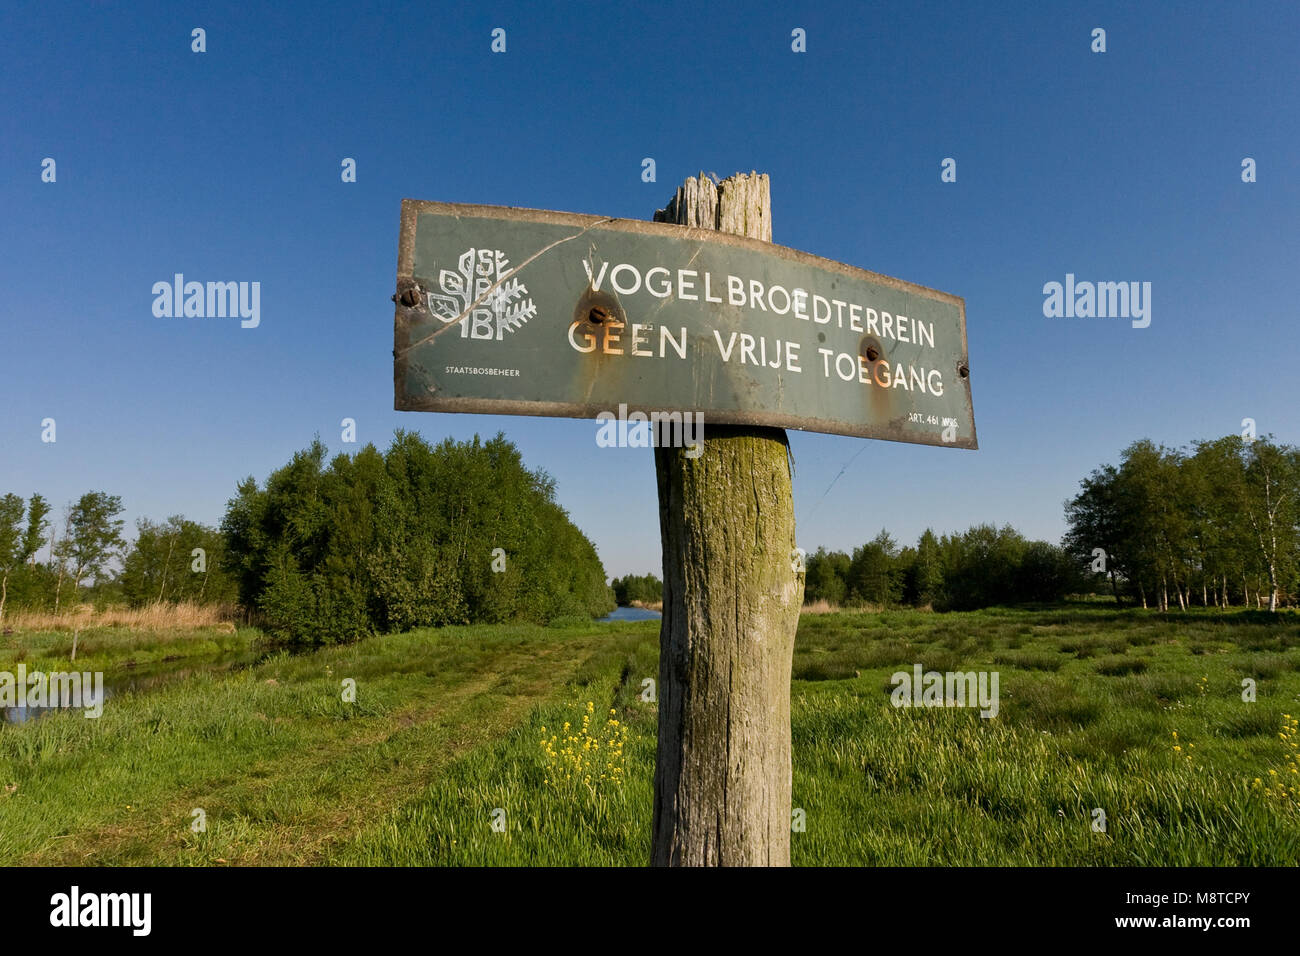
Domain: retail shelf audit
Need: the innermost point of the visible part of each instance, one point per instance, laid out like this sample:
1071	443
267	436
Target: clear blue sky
225	166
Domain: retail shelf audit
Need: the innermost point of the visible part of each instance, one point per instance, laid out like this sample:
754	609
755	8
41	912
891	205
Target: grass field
447	728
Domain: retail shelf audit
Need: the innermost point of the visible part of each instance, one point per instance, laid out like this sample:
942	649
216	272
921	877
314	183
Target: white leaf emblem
478	293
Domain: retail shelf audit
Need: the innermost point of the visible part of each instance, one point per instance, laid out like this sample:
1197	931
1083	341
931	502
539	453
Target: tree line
981	567
637	588
170	561
1216	523
464	532
326	551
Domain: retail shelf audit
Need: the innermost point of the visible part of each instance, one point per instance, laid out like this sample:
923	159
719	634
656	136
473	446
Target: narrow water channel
632	614
125	678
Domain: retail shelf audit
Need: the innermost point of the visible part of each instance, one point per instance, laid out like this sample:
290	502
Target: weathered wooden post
731	606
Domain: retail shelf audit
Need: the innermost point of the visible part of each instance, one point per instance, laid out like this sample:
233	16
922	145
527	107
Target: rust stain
598	314
879	399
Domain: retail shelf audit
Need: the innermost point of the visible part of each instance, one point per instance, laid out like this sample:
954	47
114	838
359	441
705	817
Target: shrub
415	536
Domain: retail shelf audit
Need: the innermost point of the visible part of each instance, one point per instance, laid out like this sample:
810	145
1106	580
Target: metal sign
529	312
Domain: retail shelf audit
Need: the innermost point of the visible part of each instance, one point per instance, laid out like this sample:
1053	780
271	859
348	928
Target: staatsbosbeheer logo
482	296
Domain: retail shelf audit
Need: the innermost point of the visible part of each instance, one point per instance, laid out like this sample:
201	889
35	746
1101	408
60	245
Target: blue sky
1122	166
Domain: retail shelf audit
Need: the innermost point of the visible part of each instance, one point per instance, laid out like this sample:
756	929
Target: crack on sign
487	293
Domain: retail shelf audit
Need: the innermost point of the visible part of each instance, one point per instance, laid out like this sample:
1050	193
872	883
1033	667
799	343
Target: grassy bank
446	738
117	637
112	649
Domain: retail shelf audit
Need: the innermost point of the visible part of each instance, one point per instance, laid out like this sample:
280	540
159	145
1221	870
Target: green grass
447	729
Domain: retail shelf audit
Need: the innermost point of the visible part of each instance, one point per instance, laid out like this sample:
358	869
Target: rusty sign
529	312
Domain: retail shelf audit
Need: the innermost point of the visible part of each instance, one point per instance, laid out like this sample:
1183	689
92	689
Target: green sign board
528	312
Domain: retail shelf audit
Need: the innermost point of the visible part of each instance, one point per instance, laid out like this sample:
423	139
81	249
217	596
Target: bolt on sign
529	312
